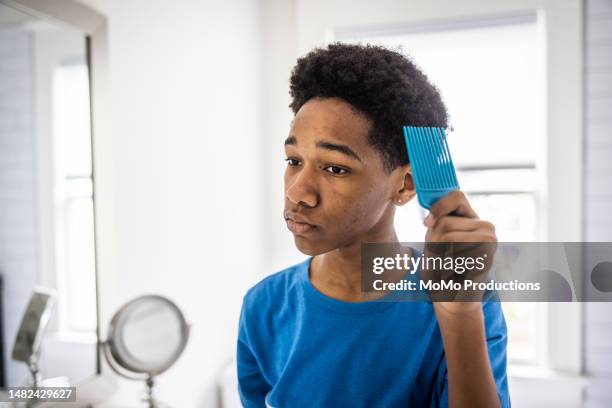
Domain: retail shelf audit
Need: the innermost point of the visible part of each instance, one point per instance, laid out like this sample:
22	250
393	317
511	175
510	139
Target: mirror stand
148	378
149	398
34	371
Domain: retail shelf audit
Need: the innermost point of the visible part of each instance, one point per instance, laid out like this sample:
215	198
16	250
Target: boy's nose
302	189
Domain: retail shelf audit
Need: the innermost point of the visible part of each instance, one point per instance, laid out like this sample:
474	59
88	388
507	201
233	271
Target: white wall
185	129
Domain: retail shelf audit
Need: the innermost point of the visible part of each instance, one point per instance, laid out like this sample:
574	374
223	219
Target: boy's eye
336	170
292	162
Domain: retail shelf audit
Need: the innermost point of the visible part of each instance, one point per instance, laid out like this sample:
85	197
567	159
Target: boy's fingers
455	202
461	236
454	223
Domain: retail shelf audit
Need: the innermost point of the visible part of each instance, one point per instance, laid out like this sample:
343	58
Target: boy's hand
452	220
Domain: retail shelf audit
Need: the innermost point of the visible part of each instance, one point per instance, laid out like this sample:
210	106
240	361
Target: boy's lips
298	224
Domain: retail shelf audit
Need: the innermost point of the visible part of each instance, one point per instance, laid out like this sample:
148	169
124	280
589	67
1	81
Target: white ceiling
9	17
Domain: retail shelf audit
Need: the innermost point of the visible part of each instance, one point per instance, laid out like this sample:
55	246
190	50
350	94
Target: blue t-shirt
300	348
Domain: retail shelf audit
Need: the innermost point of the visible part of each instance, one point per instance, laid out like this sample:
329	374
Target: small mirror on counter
27	347
145	338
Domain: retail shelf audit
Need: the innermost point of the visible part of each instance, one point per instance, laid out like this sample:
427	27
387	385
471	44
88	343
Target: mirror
145	337
31	332
46	194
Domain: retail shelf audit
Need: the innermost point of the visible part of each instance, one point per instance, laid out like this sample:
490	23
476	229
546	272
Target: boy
308	337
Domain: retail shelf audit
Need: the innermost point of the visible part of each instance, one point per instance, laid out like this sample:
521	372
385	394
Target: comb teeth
431	161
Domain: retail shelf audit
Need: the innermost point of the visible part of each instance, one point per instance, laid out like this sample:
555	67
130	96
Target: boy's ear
409	180
406	190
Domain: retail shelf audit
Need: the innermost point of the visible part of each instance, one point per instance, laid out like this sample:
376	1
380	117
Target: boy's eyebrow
344	149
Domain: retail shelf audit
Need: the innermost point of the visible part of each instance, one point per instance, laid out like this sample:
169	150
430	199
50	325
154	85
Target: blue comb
432	166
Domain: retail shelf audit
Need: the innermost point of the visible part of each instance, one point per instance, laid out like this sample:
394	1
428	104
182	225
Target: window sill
541	387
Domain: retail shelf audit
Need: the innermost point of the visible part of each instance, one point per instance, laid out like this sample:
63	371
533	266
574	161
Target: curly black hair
381	83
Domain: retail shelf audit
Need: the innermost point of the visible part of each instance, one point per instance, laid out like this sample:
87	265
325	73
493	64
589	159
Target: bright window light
73	190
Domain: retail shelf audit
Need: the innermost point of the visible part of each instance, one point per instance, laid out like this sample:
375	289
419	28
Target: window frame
561	30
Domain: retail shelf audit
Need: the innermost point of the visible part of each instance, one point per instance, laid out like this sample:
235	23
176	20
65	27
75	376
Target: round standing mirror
145	337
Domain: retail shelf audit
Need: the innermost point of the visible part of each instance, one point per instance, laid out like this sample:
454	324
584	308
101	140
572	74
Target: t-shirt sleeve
497	339
252	385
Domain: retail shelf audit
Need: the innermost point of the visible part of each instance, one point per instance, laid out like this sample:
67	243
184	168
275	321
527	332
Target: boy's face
337	192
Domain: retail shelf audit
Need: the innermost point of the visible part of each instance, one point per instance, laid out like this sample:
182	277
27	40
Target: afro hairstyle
384	85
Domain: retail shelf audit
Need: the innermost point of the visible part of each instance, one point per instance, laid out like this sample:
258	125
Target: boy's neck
337	273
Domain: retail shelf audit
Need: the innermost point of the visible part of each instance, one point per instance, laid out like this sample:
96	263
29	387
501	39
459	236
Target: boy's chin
312	248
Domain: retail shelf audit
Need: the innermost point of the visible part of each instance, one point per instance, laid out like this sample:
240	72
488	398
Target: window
73	194
498	130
